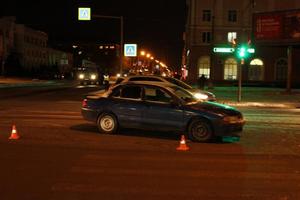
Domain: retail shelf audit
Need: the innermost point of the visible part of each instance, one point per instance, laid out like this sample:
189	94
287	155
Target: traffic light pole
240	67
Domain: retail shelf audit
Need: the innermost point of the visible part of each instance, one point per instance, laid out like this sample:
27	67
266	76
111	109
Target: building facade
25	50
229	23
31	46
7	27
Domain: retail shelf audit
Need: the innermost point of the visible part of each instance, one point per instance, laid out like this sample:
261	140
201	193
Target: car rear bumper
89	115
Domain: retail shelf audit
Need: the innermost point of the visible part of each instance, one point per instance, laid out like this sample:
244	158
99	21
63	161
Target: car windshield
178	82
183	94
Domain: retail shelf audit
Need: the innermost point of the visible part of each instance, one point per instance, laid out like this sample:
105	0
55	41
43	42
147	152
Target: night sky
155	25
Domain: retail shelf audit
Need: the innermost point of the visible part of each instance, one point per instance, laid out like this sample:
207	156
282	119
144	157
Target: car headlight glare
201	96
81	76
93	76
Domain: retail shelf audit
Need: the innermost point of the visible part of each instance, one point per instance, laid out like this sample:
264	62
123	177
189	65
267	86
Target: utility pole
289	71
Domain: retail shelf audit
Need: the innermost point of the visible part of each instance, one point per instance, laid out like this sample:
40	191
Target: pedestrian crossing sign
130	50
84	13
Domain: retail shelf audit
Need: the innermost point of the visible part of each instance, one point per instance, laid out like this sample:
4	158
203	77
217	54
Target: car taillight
84	103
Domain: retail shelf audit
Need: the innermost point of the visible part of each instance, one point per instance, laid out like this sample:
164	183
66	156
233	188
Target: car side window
157	94
116	92
132	92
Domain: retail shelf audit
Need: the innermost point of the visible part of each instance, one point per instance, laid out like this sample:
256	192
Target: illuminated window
231	36
256	70
230	69
204	66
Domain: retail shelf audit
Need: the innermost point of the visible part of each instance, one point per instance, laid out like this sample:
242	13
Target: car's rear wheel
107	123
200	130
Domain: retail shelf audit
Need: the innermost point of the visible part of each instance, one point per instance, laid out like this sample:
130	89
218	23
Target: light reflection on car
162	107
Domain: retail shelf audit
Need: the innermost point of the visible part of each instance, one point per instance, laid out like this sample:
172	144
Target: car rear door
128	106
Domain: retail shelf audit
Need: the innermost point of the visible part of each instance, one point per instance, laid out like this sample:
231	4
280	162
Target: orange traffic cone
182	145
14	135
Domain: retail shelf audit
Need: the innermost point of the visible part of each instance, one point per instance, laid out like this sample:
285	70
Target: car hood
195	90
215	108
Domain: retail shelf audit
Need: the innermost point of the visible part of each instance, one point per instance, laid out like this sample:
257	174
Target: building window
204	66
230	69
206	37
206	16
231	37
256	70
232	15
281	70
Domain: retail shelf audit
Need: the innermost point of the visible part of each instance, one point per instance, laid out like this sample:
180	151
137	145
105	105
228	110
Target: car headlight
93	76
201	96
233	119
81	76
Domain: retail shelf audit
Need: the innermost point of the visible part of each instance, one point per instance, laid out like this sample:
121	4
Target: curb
264	104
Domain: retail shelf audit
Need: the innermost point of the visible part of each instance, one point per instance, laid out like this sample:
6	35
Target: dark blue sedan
161	107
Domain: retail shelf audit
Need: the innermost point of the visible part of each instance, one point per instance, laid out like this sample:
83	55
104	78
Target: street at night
61	156
136	100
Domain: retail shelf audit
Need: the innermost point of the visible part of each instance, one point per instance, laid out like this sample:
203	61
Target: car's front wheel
200	130
107	123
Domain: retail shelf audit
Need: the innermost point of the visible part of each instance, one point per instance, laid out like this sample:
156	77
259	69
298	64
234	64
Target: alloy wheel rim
107	123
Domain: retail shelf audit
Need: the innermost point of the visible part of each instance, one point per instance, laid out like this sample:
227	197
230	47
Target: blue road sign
130	50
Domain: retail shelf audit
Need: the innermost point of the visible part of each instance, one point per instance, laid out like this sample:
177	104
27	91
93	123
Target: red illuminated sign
277	26
268	27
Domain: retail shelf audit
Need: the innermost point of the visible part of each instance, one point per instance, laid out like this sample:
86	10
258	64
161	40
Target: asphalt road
60	156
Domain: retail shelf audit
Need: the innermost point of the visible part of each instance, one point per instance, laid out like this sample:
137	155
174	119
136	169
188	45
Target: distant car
161	107
89	77
200	94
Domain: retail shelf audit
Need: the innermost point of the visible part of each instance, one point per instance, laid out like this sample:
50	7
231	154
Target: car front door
160	112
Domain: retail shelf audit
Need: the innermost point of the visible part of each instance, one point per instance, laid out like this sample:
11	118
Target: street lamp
143	53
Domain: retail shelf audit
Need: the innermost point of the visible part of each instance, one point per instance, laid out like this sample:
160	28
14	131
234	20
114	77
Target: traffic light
243	51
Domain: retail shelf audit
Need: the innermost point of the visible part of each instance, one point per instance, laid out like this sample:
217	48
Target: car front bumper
234	129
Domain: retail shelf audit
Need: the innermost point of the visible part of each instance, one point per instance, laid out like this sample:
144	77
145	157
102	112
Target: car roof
152	83
144	76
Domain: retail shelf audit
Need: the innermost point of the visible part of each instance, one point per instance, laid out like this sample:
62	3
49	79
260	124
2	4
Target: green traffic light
243	52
